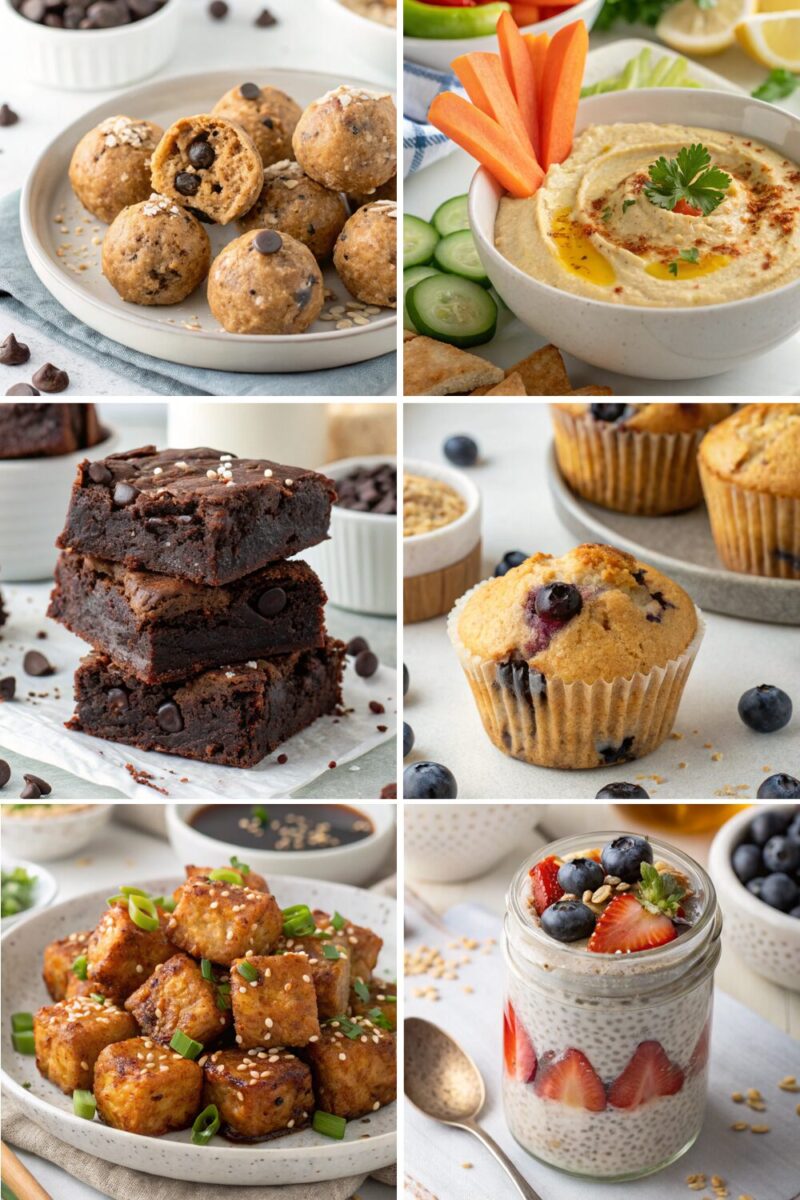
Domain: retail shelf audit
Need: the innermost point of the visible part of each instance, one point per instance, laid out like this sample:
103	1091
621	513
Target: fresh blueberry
746	862
568	921
558	601
779	787
781	855
622	791
406	679
429	781
755	885
461	450
624	857
581	875
779	891
765	708
795	912
408	739
767	824
793	832
512	558
607	412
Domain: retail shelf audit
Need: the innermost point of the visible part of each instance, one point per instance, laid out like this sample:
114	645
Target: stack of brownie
207	644
46	430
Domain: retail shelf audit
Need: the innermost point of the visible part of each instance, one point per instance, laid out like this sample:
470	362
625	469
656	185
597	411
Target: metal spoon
442	1081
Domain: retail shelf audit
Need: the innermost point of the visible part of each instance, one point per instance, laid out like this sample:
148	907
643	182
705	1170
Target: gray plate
692	560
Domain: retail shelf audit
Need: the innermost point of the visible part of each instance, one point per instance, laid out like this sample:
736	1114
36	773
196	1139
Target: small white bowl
358	563
44	891
427	552
440	52
371	42
655	343
34	494
354	864
91	59
60	832
766	939
446	843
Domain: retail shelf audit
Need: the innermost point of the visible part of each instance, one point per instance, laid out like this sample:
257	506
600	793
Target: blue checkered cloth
422	143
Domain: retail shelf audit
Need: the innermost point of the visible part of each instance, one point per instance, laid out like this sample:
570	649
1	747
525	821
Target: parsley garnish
606	213
779	84
689	177
626	204
692	255
706	5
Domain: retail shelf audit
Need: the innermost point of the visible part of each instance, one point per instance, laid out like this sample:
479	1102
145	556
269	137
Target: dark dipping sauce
283	826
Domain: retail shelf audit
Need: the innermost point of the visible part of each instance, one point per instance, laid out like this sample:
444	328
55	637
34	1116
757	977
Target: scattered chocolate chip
265	19
389	792
43	786
366	664
332	765
22	389
250	91
7	115
356	645
99	473
271	602
30	792
187	183
34	663
381	728
51	379
267	241
201	153
218	9
282	758
124	494
41	635
169	717
13	353
376	707
8	686
118	701
5	772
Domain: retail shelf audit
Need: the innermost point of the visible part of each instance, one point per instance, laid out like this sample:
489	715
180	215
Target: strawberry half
544	884
627	926
572	1081
700	1053
649	1074
518	1051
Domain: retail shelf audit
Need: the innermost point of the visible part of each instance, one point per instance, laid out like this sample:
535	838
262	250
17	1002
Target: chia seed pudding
609	993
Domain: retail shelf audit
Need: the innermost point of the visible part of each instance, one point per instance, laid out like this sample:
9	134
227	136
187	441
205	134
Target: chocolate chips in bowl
86	14
369	489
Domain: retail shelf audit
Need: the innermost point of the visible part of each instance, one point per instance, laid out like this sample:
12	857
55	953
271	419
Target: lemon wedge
772	39
691	28
770	6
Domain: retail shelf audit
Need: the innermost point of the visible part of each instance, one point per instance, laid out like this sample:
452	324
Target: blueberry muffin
155	253
293	203
635	458
347	140
267	114
265	282
578	661
366	254
210	166
110	166
750	469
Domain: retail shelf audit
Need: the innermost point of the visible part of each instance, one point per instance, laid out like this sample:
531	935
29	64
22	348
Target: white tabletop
719	751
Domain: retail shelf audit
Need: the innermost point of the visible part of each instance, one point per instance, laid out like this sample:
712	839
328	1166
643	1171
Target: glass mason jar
593	1017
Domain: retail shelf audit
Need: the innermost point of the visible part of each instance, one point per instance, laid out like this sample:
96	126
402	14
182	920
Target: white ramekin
59	833
427	552
34	495
358	564
447	843
91	59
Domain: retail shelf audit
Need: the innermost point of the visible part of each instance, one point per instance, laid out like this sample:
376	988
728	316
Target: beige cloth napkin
120	1183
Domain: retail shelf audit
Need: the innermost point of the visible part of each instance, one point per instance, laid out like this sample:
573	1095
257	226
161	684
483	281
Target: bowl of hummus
663	249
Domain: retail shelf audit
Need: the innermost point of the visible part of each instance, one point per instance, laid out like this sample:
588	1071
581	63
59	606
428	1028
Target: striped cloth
422	143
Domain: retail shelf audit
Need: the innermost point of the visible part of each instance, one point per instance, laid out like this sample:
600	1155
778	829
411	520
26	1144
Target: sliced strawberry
700	1053
573	1081
544	883
510	1039
518	1051
649	1074
627	926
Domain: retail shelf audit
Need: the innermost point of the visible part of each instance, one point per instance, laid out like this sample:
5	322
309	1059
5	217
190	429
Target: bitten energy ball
155	253
267	114
347	140
265	282
293	203
366	254
110	166
209	165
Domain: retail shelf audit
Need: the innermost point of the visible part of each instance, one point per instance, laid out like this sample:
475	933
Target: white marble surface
518	515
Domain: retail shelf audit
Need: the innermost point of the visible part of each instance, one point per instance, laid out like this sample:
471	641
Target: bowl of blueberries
87	45
755	864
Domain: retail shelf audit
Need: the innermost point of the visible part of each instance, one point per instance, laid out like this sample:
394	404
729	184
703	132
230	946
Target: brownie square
232	715
196	514
161	628
45	430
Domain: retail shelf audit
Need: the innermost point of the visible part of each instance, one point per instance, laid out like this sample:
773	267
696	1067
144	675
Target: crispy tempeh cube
143	1088
362	945
176	996
259	1093
354	1067
70	1035
121	955
330	976
221	922
58	959
279	1007
367	995
252	879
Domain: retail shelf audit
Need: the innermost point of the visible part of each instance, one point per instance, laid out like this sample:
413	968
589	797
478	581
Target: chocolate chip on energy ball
169	717
30	792
5	772
218	9
99	473
43	786
22	389
356	645
201	153
250	91
267	241
8	687
7	115
265	19
366	664
13	353
34	663
272	602
51	379
124	494
187	183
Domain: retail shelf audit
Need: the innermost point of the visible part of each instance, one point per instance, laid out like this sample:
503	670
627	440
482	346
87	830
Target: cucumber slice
419	241
411	277
452	309
451	216
458	255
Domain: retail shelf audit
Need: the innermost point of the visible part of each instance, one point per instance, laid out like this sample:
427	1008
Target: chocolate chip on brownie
34	663
218	10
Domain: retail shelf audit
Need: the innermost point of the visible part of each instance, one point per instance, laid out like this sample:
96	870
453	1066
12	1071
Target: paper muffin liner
551	723
625	469
755	533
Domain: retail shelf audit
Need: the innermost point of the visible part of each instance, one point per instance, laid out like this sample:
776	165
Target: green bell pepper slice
433	21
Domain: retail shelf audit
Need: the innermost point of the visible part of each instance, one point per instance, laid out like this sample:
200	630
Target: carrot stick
537	44
519	73
487	87
524	14
519	173
561	91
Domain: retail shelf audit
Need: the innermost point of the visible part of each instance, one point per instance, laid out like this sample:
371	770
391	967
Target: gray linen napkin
30	301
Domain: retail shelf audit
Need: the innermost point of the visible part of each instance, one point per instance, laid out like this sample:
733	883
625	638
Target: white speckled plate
184	333
305	1157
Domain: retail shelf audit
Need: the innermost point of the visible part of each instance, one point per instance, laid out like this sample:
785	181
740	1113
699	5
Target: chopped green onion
298	921
240	866
80	965
23	1042
361	990
348	1027
133	891
261	815
331	952
247	971
322	933
167	903
329	1124
98	997
142	912
379	1018
17	890
115	899
182	1044
389	1000
226	875
27	1086
337	921
205	1126
206	970
21	1021
84	1104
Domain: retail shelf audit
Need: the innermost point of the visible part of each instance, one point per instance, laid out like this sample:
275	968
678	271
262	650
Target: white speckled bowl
445	843
767	940
44	891
305	1157
59	834
370	41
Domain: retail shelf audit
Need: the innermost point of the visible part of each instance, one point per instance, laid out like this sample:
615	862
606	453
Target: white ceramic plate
306	1157
184	333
